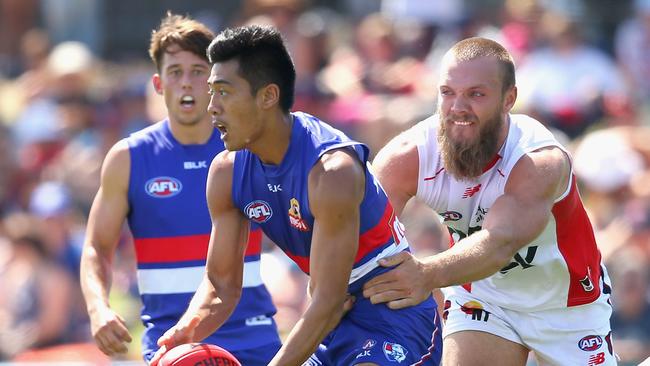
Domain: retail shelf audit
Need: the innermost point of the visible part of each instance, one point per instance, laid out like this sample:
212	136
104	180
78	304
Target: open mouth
187	101
220	126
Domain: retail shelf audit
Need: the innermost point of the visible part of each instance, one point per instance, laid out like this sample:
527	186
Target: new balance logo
597	359
469	192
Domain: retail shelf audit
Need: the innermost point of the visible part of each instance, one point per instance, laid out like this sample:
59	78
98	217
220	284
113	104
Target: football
191	354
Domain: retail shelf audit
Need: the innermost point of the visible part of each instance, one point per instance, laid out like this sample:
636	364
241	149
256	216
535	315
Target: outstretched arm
221	288
514	220
105	222
336	188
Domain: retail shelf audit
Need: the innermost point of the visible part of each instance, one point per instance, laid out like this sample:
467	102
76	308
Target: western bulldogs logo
163	187
590	343
258	211
395	352
295	219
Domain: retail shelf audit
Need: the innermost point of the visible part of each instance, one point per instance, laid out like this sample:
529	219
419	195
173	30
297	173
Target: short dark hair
188	34
475	47
262	56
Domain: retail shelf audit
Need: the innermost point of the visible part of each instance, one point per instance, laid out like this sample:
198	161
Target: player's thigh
468	348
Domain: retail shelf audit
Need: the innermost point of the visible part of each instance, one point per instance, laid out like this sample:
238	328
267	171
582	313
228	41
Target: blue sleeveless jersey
276	198
171	226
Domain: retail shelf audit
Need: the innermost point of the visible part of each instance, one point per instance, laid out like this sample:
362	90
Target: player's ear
268	96
509	98
157	83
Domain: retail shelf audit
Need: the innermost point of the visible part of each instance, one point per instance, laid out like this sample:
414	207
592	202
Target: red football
191	354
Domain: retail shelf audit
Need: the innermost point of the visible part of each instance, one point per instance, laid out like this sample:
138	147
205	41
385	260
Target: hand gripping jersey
276	197
171	227
559	268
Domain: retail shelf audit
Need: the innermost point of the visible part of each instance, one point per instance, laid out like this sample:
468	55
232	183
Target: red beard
466	160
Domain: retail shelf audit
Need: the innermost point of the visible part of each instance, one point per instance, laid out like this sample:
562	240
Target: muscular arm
219	292
514	220
105	222
396	168
336	189
225	265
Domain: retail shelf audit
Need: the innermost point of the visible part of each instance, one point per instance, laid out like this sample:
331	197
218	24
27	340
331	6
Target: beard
466	160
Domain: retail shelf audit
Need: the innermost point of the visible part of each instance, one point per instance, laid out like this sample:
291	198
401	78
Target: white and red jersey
559	268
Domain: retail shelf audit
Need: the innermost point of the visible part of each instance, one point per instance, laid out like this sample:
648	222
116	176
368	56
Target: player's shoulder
547	169
223	161
155	134
336	179
407	141
117	165
401	152
119	153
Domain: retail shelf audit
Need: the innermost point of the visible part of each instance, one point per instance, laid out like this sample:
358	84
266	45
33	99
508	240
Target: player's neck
192	134
272	148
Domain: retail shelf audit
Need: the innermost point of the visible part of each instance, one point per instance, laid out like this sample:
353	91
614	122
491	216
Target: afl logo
163	187
590	343
258	211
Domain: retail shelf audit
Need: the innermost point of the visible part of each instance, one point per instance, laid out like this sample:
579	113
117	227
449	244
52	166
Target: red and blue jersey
276	198
170	222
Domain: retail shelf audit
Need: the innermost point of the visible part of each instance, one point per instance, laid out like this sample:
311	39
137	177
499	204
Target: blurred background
75	78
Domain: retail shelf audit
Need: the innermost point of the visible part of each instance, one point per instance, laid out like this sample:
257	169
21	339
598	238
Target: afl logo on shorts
258	211
590	343
163	187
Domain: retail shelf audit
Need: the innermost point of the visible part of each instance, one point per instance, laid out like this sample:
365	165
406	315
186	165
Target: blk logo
163	187
258	211
188	165
275	188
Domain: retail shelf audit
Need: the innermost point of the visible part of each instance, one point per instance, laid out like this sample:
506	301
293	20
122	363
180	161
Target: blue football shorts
377	334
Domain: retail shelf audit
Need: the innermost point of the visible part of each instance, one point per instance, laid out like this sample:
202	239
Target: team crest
295	220
163	187
395	352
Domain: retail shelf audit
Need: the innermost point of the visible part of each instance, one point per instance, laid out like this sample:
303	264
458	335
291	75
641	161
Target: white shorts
579	335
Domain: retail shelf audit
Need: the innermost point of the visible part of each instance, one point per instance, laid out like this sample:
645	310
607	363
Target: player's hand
181	333
403	286
109	331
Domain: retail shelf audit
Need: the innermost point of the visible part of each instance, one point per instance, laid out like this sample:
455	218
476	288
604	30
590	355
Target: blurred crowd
367	67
